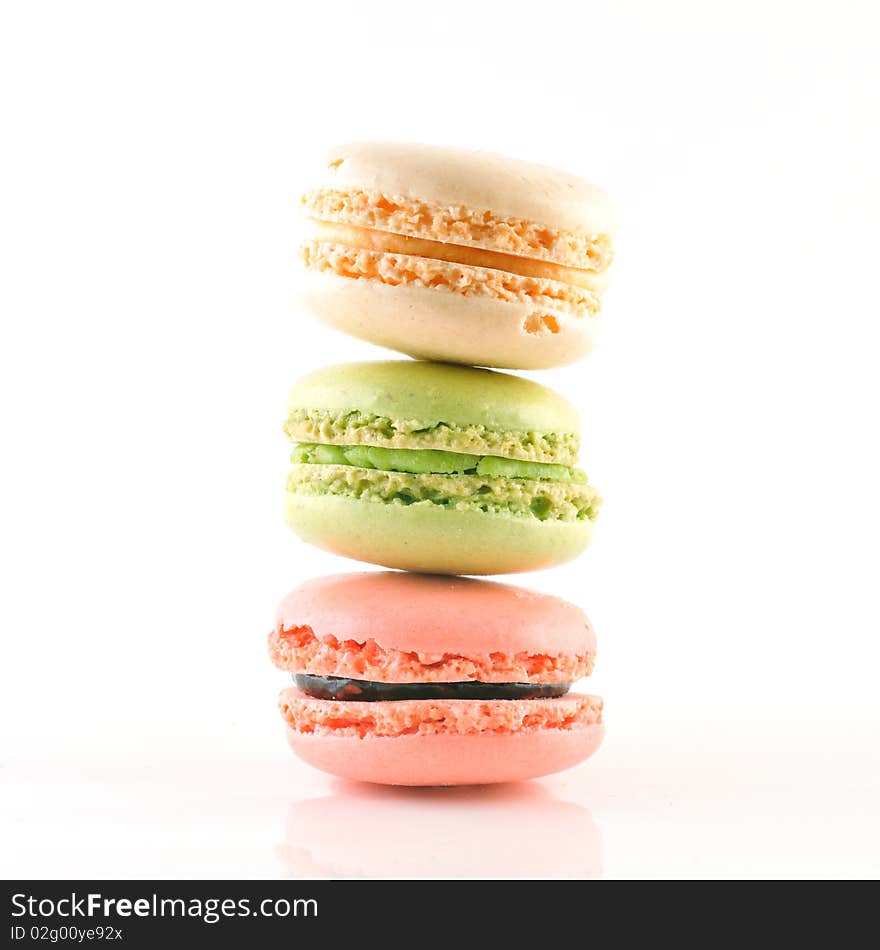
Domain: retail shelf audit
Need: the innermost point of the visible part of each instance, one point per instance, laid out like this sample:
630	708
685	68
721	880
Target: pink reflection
478	833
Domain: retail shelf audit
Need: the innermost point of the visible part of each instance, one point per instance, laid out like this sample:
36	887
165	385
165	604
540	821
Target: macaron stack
429	466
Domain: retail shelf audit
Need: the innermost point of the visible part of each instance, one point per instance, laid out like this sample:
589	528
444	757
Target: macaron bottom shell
432	539
448	759
433	323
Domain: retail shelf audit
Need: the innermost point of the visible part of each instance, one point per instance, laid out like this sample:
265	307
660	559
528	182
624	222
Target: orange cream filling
459	226
386	243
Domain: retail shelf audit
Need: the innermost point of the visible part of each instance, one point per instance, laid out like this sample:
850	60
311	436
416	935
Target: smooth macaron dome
418	679
436	468
455	255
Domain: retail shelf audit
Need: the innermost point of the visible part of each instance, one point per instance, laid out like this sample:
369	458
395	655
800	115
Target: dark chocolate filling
367	691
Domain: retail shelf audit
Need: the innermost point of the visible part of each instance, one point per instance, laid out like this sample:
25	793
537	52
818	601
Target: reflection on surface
500	831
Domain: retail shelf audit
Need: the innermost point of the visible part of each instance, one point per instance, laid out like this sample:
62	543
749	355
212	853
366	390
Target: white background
152	157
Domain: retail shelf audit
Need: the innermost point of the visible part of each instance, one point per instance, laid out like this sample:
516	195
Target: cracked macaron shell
466	186
463	717
417	405
434	539
513	497
399	627
445	758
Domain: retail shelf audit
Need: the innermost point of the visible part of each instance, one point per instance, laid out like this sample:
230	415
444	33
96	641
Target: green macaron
436	468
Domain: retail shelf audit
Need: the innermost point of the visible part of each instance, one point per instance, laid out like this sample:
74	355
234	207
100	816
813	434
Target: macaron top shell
481	181
415	397
432	614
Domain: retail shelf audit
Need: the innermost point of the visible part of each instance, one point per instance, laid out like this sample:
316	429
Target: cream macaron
457	256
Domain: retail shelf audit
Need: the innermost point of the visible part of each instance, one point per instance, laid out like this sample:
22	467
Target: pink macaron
413	679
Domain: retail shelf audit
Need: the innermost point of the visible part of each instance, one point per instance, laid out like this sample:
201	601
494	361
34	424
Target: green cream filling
433	462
